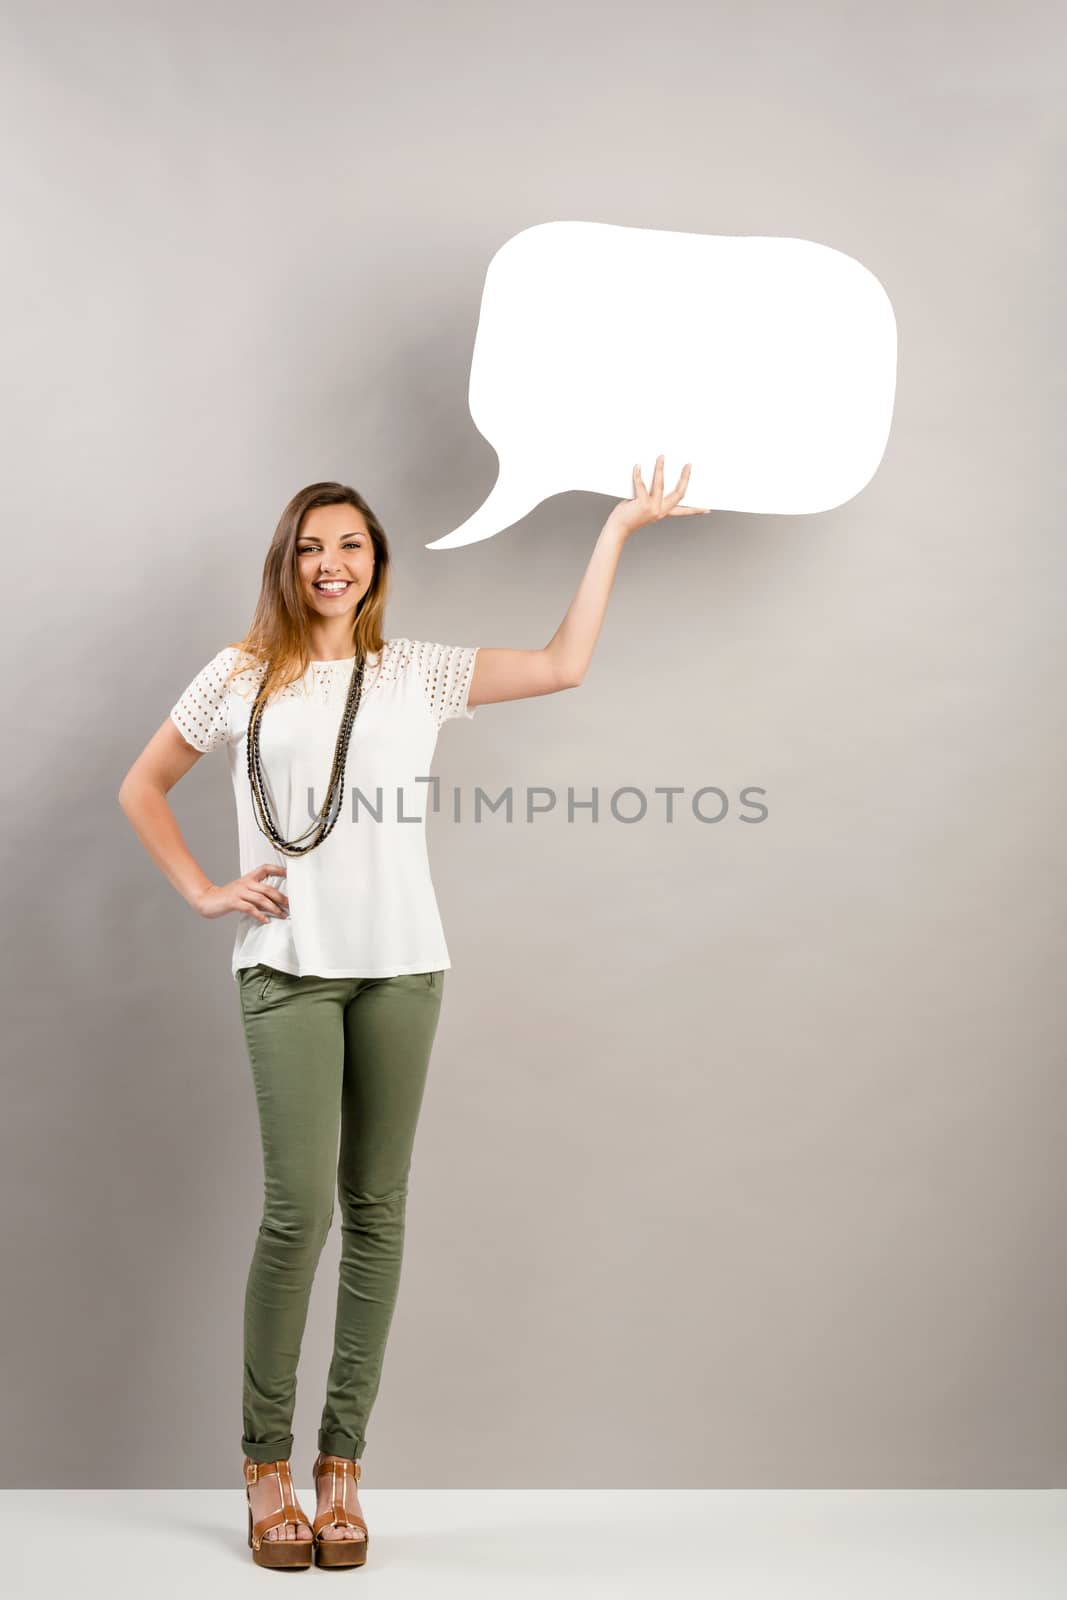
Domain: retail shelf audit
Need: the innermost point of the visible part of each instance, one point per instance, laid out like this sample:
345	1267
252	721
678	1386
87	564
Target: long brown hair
278	634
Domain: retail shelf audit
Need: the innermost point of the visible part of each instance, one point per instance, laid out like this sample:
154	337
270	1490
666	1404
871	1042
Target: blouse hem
336	972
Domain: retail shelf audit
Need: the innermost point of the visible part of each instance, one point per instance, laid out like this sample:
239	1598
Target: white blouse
362	903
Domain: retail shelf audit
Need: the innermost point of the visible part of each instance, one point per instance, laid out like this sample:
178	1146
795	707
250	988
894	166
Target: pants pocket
271	980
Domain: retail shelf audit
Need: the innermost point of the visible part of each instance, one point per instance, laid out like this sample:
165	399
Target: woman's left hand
650	504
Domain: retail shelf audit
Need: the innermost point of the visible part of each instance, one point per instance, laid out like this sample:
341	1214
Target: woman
339	958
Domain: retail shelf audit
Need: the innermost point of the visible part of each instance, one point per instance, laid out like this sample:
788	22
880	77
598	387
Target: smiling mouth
332	587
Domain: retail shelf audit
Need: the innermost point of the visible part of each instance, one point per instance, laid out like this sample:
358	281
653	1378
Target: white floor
507	1544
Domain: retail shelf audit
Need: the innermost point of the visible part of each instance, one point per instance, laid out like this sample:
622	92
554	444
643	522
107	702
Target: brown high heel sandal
339	1552
276	1552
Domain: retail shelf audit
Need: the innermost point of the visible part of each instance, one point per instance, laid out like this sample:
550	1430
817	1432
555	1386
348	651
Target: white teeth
331	588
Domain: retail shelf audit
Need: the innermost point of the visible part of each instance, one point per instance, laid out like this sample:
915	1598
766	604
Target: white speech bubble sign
769	364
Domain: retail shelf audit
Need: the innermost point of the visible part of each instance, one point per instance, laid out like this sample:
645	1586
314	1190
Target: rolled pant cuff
280	1450
341	1444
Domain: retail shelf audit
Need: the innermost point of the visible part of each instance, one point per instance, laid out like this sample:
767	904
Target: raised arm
562	663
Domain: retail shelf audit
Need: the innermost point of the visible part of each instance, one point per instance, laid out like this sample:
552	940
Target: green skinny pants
339	1066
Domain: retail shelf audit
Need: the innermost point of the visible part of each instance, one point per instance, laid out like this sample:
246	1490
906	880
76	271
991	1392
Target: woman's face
334	560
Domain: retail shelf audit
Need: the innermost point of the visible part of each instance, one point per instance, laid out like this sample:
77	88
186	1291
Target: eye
309	549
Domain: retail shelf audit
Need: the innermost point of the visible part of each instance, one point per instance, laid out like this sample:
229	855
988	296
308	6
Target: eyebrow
311	539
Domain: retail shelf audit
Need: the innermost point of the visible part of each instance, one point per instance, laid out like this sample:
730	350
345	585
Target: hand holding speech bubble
768	363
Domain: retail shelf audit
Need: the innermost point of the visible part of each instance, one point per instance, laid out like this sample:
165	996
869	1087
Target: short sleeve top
362	903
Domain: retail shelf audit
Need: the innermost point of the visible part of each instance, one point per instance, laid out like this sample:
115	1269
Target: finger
679	490
656	491
271	870
265	901
640	492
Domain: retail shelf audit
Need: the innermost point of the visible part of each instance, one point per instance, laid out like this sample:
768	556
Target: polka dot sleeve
202	714
446	671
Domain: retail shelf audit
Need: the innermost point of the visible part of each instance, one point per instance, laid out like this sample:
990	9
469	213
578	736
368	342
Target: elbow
127	790
568	674
558	672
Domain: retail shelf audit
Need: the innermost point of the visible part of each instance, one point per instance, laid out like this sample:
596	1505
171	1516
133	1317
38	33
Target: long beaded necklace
323	823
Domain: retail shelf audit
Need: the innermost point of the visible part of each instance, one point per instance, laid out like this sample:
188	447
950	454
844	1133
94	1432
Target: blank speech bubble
770	364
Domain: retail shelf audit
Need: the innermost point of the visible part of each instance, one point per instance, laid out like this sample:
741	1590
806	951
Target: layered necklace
323	823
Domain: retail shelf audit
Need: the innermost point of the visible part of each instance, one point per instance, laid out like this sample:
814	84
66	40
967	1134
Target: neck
328	643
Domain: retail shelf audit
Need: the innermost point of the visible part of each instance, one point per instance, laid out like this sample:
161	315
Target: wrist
195	897
615	529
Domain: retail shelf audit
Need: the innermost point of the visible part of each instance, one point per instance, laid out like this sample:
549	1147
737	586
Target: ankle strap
338	1464
255	1470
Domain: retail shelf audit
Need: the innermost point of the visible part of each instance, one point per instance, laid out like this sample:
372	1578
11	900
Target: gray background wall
741	1162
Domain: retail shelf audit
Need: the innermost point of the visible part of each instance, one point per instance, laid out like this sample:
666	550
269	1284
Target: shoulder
424	658
443	673
399	656
422	652
229	658
233	671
